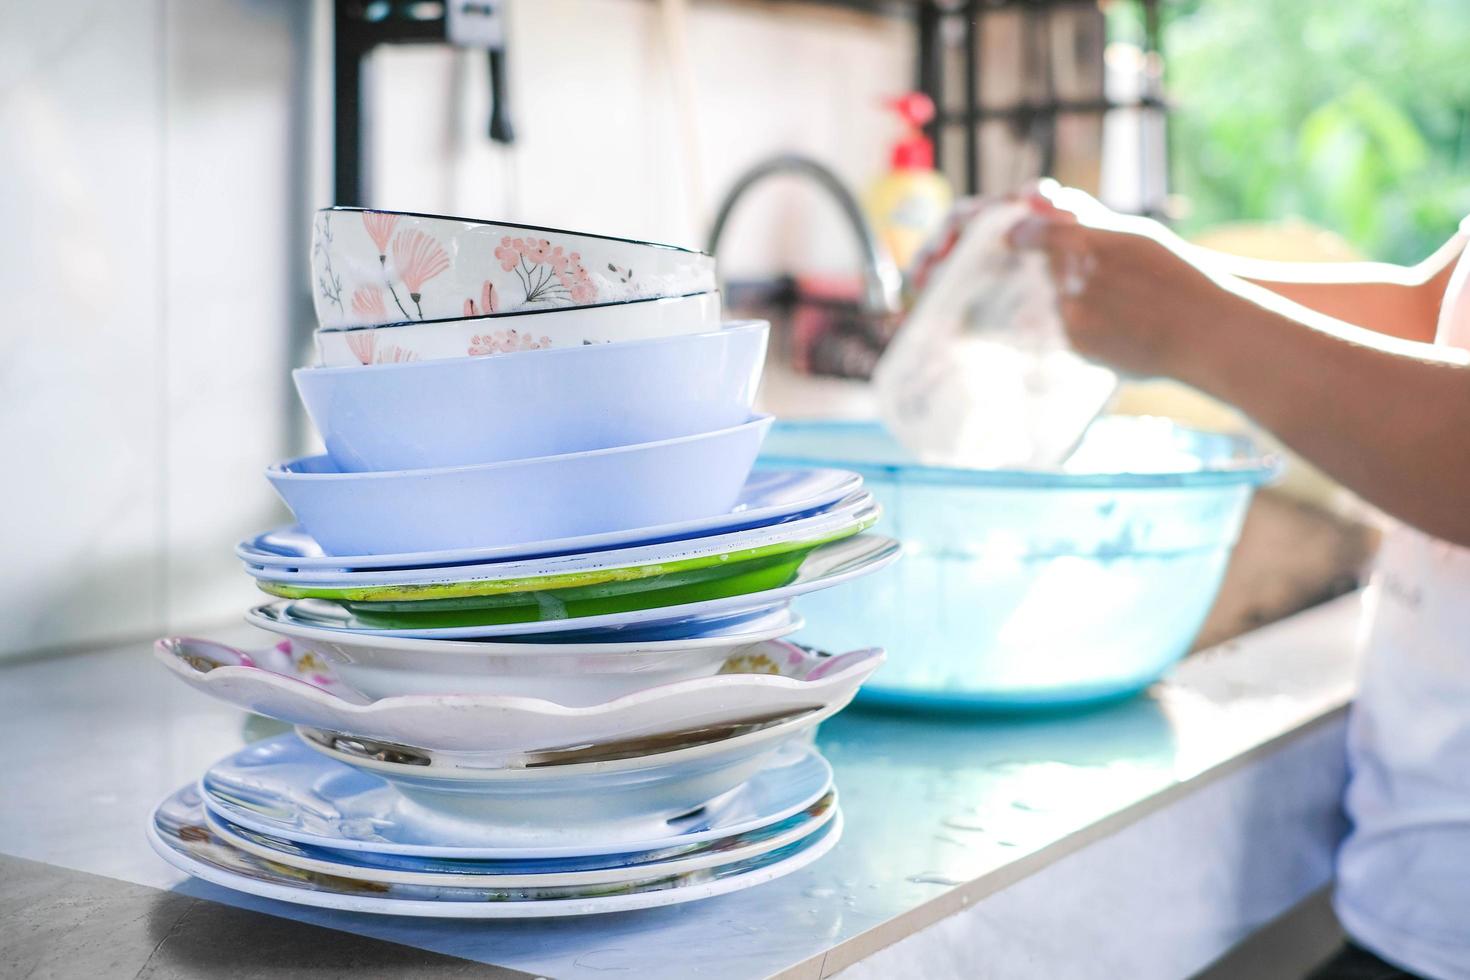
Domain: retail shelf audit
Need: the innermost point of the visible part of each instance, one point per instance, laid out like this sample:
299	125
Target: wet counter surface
1140	839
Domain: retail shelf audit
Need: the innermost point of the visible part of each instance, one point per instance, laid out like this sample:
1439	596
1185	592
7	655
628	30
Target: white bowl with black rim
523	331
373	267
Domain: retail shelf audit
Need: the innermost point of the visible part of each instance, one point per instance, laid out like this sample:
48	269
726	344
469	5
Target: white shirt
1403	887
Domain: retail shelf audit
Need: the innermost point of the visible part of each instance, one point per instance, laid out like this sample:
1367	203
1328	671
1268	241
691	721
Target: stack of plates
789	532
514	693
278	820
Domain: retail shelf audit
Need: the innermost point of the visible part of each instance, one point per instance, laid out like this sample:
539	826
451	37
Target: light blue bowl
522	500
1022	589
468	410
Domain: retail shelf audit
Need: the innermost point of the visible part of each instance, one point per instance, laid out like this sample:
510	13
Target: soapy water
1018	629
1031	588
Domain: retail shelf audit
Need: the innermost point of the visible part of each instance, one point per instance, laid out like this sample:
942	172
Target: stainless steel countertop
944	815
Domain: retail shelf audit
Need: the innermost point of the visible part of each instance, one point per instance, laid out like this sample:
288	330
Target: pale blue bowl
521	500
467	410
1023	589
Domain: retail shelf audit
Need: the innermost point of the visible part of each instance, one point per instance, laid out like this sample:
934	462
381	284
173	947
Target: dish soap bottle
908	204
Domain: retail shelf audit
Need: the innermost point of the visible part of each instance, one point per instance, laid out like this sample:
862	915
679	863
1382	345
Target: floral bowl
520	500
487	409
526	330
376	267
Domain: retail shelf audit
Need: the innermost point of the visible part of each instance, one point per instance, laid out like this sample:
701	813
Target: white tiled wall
235	233
157	169
143	177
80	195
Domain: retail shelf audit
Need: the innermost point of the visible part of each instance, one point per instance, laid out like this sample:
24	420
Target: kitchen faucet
881	278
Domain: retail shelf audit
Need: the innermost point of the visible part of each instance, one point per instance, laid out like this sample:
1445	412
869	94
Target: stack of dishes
530	622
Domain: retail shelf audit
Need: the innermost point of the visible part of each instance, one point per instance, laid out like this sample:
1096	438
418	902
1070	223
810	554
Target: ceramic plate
650	756
769	497
573	673
562	588
857	511
297	686
557	873
330	619
825	567
281	788
180	835
634	781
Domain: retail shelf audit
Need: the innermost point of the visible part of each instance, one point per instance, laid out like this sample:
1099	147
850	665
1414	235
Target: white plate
581	673
297	686
770	496
180	836
632	782
281	788
555	873
827	566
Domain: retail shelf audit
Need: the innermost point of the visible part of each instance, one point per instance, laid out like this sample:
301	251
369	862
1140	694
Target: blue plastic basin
1025	589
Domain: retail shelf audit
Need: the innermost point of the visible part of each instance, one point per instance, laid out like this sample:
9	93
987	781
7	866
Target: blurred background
162	158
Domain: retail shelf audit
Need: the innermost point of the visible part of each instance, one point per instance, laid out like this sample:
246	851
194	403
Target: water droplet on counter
601	960
934	878
818	892
964	821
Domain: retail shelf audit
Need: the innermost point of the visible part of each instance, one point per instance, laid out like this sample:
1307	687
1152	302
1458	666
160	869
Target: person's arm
1393	299
1389	418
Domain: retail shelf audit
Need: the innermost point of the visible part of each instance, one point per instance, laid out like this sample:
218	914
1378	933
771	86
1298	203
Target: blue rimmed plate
181	836
546	873
770	496
281	788
851	515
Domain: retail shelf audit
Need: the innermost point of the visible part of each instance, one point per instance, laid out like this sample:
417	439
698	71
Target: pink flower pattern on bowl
433	268
418	259
394	354
489	301
379	226
504	342
361	343
367	302
478	334
548	274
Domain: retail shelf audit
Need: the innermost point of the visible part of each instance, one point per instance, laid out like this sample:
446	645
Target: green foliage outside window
1352	115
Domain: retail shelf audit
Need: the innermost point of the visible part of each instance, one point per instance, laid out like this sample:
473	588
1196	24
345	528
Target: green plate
698	581
670	589
602	583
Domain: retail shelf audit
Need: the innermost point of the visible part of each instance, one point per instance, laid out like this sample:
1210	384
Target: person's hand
1128	295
